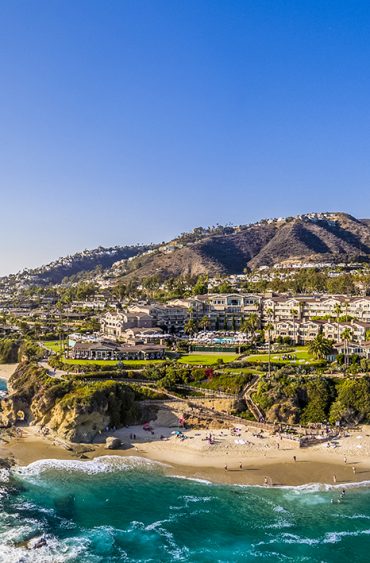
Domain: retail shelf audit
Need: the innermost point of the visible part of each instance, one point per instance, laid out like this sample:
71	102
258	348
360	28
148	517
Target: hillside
334	237
75	265
314	237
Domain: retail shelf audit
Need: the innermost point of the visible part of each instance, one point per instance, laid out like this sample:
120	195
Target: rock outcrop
113	443
75	410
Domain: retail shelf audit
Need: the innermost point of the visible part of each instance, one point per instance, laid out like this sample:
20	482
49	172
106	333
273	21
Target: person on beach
294	458
266	481
225	467
334	479
345	459
241	465
354	470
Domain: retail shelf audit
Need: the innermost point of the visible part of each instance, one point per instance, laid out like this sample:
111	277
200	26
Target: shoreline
7	370
193	458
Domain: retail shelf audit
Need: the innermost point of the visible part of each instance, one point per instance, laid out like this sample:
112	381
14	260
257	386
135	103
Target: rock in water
112	443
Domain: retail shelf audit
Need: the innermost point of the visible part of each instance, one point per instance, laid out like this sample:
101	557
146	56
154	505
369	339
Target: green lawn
53	345
301	356
207	359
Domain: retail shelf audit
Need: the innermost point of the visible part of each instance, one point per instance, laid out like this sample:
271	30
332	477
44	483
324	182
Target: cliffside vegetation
14	349
9	348
310	399
76	410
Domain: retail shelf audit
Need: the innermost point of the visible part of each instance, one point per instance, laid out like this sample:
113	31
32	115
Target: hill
75	265
314	238
317	238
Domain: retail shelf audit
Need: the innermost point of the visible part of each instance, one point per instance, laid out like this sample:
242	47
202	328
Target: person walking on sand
294	458
266	481
345	459
354	470
334	479
240	465
225	467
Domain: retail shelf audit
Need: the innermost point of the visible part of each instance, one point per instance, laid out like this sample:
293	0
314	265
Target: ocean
128	509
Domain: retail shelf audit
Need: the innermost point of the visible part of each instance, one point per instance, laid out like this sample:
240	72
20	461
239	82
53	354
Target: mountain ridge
314	237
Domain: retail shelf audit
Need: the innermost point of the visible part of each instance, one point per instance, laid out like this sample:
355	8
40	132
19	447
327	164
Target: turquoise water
127	509
3	385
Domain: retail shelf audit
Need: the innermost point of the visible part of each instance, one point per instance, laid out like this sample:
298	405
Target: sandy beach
240	455
6	370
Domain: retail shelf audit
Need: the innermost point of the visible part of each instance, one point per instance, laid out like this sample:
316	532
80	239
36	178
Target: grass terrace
301	356
53	345
207	358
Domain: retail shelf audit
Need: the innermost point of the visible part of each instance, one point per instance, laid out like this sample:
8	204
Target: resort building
300	317
223	311
115	324
299	332
108	350
350	348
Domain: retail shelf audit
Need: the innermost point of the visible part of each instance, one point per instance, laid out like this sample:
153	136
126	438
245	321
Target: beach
233	454
241	456
6	370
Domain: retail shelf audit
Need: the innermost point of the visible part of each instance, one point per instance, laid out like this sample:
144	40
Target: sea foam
103	464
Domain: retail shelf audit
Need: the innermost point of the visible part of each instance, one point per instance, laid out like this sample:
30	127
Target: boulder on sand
112	443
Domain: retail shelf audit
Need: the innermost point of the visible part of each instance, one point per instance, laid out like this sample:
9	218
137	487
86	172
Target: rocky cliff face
76	411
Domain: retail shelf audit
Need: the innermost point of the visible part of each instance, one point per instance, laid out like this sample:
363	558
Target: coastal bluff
76	411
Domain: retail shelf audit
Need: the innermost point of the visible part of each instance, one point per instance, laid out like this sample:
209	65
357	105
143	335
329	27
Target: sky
130	121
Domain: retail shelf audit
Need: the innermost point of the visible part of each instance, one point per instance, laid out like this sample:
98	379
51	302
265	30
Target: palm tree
320	347
346	310
268	328
190	327
294	314
204	322
346	337
252	324
337	311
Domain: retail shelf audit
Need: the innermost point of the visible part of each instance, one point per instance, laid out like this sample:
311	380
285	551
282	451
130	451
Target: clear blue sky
133	120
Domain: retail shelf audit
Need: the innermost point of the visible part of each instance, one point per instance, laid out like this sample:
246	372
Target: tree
294	314
320	347
201	286
204	322
353	401
269	327
250	326
338	311
190	327
319	396
120	291
224	287
346	337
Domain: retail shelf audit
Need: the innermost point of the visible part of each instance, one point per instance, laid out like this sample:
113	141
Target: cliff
76	411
